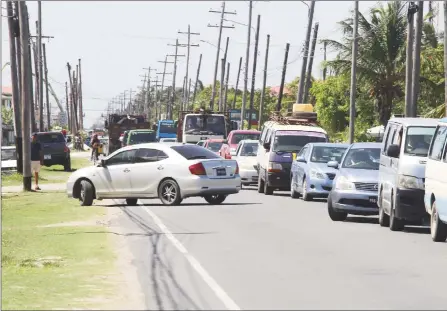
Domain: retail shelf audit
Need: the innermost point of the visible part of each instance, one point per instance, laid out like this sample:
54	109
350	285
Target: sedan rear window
193	152
51	138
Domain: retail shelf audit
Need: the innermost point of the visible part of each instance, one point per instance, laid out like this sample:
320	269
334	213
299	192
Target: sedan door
301	168
148	171
115	176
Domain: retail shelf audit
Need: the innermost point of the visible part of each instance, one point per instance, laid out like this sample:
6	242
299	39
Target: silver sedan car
355	189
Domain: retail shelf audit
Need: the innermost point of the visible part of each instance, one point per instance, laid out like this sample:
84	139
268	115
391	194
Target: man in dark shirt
36	159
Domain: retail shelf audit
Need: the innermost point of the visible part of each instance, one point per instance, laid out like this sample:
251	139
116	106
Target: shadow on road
363	220
183	204
128	234
417	229
165	287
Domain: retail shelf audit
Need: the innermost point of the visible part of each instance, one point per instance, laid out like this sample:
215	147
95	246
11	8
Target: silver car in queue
310	175
355	187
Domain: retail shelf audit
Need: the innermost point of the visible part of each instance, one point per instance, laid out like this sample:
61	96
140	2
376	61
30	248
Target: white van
436	183
279	144
402	171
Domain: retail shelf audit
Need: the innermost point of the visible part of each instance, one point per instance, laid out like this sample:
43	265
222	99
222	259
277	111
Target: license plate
221	172
373	200
47	156
203	138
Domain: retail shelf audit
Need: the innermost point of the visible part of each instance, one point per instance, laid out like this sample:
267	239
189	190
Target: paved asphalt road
272	252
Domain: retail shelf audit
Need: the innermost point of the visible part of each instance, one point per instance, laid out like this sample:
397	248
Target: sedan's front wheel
169	192
86	195
215	199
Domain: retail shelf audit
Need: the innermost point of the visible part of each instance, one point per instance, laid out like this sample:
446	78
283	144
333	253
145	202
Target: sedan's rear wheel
438	229
215	199
169	192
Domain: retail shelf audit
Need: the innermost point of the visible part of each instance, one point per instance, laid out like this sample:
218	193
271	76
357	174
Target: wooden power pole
264	81
353	92
283	78
233	106
445	56
81	108
47	96
253	77
311	61
197	80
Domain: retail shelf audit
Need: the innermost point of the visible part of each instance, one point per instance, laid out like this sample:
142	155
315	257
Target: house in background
8	126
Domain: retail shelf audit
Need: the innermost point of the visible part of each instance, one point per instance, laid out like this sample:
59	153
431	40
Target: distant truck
201	124
116	124
166	129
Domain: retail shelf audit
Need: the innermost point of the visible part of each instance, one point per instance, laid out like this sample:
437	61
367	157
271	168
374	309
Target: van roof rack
297	118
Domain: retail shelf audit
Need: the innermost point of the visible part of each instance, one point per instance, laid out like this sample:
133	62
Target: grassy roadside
61	266
48	175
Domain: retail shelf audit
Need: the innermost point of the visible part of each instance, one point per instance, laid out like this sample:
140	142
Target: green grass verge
48	175
75	280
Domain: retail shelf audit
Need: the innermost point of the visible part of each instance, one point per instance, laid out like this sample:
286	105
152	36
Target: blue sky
115	40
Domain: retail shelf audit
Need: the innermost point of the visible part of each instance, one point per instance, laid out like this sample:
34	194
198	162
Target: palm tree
381	53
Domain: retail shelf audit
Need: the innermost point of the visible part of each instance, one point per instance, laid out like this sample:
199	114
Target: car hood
322	167
9	163
358	175
83	172
246	162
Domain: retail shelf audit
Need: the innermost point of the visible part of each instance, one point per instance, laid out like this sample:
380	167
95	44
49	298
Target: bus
166	129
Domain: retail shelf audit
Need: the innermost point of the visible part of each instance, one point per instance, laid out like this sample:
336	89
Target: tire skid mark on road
212	284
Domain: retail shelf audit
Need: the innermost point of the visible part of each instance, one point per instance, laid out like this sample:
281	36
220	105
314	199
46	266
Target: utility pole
353	90
299	97
222	91
39	57
72	99
67	107
417	58
226	86
283	78
189	94
144	91
311	61
25	94
149	69
445	56
30	76
222	83
222	13
253	77
264	82
430	10
13	34
324	69
163	80
409	61
81	109
174	75
237	84
157	117
247	58
47	96
36	80
188	45
197	80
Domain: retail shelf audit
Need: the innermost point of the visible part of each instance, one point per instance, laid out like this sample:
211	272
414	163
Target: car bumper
198	186
355	202
319	187
59	158
410	205
248	176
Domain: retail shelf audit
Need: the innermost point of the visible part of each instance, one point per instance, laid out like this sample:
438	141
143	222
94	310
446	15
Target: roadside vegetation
54	254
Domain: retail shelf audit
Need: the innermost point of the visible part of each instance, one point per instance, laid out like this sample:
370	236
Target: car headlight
316	174
342	183
274	167
410	182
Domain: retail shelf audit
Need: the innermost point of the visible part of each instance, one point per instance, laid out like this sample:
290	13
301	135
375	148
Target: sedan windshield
326	154
249	150
418	140
214	146
363	159
9	154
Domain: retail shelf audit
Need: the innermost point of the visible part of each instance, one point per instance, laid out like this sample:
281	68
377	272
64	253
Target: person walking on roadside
36	159
95	144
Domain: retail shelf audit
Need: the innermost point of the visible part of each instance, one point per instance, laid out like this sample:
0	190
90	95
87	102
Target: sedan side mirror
333	164
301	160
393	151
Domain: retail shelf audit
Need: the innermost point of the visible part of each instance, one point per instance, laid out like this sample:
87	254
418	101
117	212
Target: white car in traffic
168	171
246	158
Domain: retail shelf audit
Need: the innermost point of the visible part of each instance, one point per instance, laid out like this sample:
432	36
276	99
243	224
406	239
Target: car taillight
237	169
197	169
66	149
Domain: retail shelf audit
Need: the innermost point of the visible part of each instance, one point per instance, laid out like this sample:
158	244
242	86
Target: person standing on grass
36	159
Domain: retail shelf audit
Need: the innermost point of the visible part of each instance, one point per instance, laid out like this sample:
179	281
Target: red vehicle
214	145
233	140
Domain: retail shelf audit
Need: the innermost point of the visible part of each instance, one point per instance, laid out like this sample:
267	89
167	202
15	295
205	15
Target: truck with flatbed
116	124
